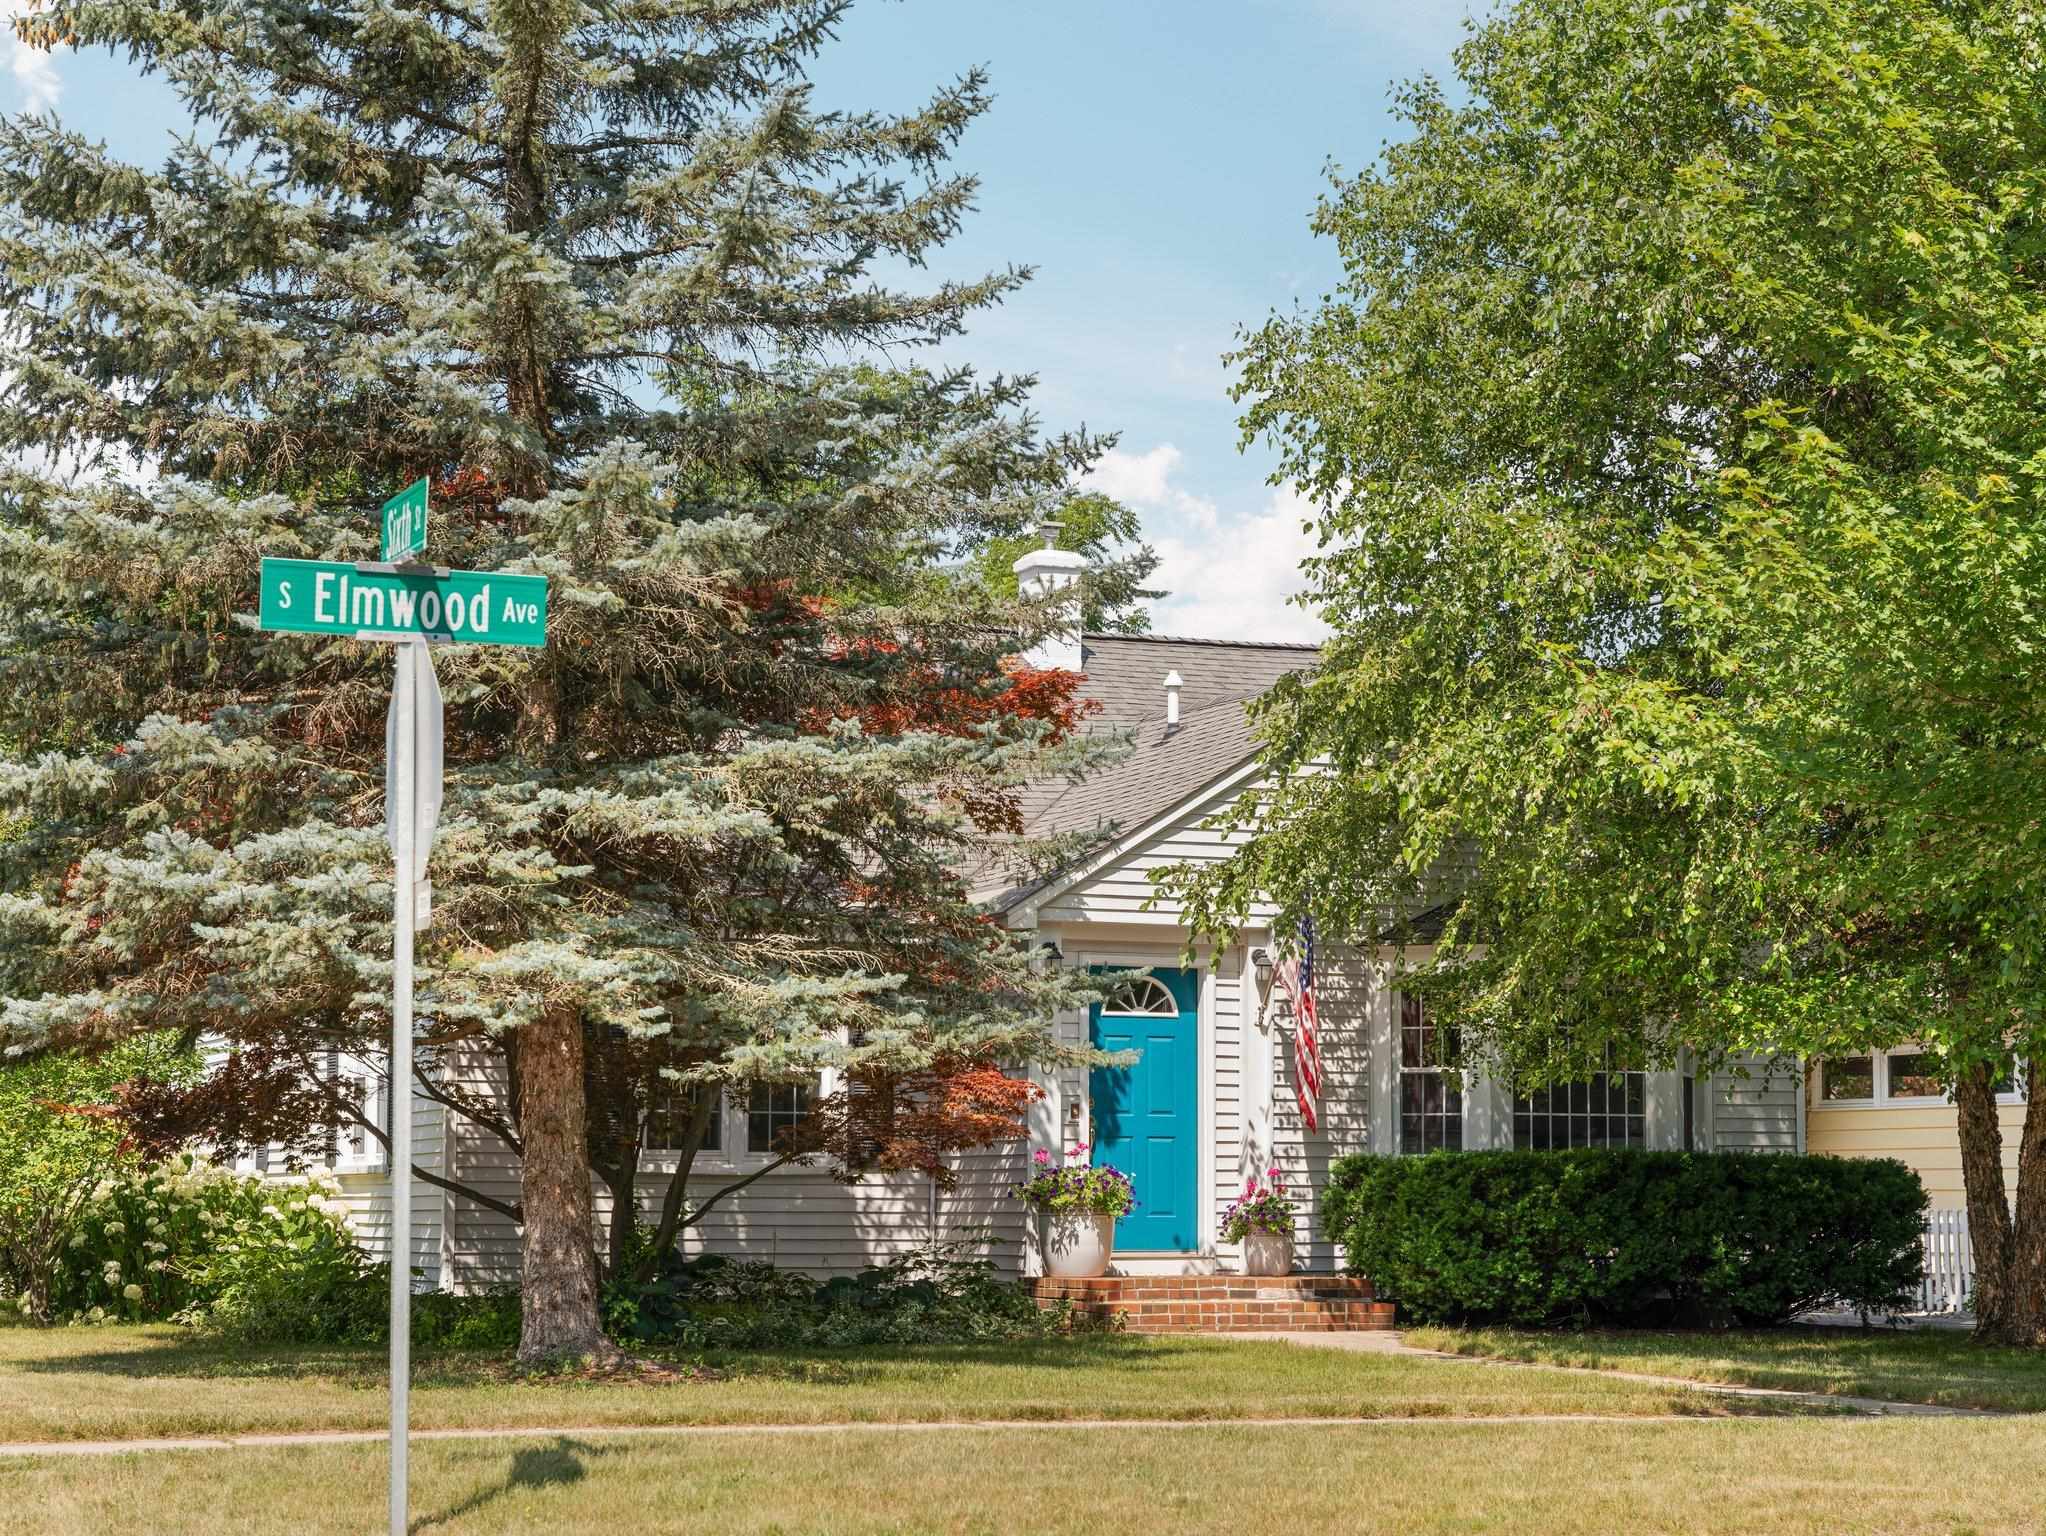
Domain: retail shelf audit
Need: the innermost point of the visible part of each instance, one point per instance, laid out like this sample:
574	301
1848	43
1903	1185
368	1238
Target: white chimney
1173	683
1054	573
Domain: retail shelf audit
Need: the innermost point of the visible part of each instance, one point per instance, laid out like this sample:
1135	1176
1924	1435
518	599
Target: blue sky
1155	160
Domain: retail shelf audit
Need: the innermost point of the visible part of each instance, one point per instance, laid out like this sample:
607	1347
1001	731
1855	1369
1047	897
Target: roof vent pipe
1173	683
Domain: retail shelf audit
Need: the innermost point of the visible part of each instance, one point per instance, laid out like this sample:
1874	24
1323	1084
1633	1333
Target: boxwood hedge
1607	1236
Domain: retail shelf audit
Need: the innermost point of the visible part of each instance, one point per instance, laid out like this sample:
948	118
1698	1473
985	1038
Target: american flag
1296	974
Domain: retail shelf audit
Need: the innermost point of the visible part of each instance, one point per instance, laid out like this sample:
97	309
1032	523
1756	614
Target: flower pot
1267	1253
1077	1244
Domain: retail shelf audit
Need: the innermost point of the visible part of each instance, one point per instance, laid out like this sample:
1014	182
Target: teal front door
1147	1117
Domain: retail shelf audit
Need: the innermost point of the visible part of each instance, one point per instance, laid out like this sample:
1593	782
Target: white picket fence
1949	1282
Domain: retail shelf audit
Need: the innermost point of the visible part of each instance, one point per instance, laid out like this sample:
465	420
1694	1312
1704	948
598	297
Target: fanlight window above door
1146	995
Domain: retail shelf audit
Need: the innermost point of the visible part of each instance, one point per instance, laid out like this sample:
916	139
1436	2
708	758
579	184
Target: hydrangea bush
172	1241
1078	1185
1264	1206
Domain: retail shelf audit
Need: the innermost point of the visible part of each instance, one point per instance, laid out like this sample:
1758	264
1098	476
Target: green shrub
1595	1236
290	1274
57	1144
488	1321
175	1240
937	1295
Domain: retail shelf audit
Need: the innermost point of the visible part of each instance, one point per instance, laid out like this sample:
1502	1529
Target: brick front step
1223	1303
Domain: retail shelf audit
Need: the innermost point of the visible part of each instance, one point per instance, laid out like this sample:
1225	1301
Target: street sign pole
411	607
404	771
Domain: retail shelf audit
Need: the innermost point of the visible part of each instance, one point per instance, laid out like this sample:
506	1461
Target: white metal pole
407	749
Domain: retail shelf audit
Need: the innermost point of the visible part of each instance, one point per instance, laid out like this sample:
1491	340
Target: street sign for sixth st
405	522
333	597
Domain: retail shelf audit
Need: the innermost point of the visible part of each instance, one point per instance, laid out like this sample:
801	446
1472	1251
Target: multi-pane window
1690	1113
667	1121
773	1109
1608	1109
1431	1108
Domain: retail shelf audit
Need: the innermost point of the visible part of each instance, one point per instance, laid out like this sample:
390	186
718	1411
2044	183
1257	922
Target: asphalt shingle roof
1126	677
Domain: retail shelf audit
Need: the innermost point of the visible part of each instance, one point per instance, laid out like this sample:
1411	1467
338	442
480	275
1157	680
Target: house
1890	1104
1212	1095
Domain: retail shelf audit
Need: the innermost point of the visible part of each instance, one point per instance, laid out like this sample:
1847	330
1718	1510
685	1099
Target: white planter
1077	1244
1267	1253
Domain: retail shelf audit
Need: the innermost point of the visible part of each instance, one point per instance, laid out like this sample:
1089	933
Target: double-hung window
1431	1106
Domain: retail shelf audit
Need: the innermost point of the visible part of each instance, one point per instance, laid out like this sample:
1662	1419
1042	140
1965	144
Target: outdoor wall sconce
1279	1009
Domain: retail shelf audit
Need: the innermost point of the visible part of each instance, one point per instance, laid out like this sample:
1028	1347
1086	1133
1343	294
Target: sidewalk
1390	1342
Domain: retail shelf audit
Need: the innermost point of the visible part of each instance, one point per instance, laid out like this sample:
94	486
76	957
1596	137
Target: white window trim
733	1158
375	1104
372	1158
1151	990
1469	1131
1879	1062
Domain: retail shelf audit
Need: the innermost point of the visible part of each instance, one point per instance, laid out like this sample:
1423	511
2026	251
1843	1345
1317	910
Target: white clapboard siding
800	1218
366	1195
482	1246
1350	1011
1122	891
1758	1112
1227	1126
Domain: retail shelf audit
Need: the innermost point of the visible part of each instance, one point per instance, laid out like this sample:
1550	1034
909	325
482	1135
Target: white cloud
34	69
1142	479
1432	24
1227	576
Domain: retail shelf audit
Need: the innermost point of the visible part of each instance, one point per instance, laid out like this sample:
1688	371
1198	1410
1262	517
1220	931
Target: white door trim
1131	956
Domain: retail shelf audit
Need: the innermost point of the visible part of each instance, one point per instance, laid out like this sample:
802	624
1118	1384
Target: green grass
1942	1366
1771	1477
109	1383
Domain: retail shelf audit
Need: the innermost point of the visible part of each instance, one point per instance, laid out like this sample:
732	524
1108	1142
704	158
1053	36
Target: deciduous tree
1678	429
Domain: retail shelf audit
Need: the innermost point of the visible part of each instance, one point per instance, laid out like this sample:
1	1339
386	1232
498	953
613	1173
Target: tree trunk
702	1105
2024	1320
621	1178
558	1290
1989	1224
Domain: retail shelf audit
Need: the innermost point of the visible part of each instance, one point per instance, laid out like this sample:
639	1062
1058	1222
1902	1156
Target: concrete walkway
1389	1342
904	1427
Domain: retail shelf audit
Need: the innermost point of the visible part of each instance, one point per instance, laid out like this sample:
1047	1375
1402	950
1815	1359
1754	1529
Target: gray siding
799	1218
1122	891
1351	1013
1758	1112
367	1195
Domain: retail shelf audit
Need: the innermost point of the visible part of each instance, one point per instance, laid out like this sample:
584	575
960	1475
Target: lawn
1769	1477
1941	1366
104	1383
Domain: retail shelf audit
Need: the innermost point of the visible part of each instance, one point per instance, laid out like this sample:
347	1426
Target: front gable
1115	885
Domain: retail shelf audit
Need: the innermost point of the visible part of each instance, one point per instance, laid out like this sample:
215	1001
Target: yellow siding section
1927	1138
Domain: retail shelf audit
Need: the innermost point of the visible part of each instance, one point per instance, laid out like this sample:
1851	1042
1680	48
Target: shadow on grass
558	1465
198	1357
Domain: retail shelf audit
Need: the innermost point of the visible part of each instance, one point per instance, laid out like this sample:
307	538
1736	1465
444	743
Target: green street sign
405	522
334	597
